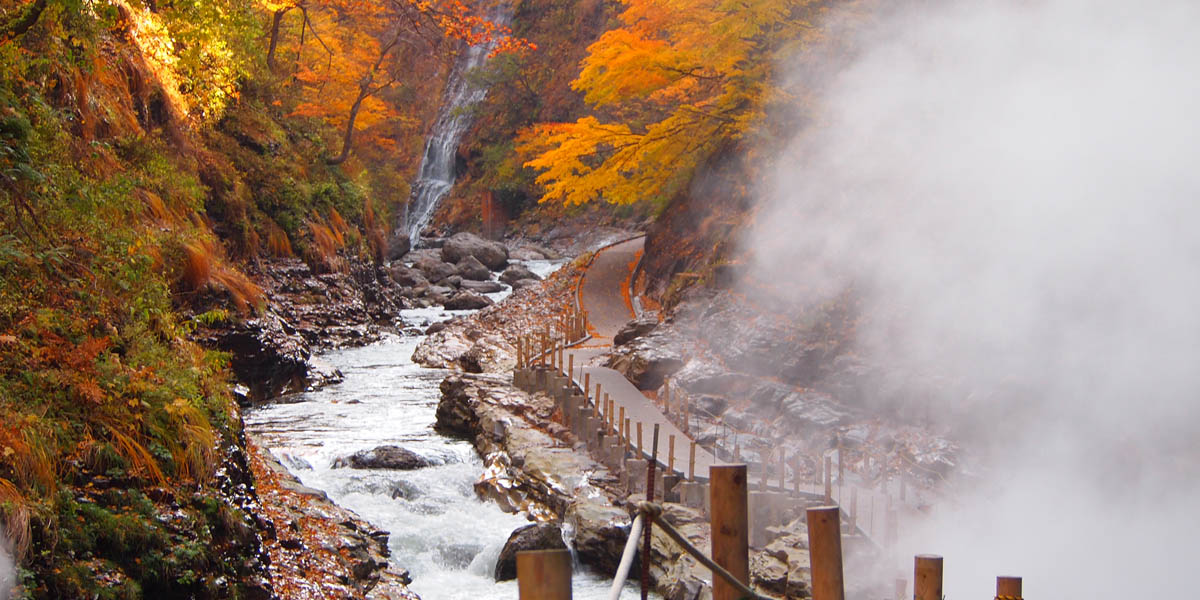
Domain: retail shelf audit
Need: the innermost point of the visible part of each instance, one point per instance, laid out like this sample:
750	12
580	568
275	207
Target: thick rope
654	512
635	532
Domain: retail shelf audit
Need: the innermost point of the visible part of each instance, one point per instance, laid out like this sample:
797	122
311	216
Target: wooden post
628	441
544	574
796	473
649	498
1008	588
622	425
670	453
692	462
730	531
783	469
825	553
570	366
927	577
639	440
829	480
587	382
853	508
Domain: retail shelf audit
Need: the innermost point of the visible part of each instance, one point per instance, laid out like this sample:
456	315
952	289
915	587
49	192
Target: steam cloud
1014	189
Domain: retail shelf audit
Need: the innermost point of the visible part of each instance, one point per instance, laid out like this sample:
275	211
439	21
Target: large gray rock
482	287
464	300
538	536
383	457
648	360
470	268
516	273
435	270
635	329
398	245
461	245
407	276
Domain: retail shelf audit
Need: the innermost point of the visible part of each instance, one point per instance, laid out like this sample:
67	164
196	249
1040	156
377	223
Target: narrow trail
605	300
607	306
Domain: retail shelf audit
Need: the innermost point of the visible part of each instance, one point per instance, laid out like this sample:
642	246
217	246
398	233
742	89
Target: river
447	538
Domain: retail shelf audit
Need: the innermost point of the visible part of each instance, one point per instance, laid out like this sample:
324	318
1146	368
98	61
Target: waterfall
436	175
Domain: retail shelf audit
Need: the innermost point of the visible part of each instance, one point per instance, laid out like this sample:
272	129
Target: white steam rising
1014	188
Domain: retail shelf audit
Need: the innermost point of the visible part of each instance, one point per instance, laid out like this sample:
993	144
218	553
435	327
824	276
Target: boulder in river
464	300
407	276
383	457
538	536
461	245
471	269
482	287
516	273
435	270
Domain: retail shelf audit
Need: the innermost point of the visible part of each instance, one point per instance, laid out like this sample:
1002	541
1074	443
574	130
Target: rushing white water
440	531
436	174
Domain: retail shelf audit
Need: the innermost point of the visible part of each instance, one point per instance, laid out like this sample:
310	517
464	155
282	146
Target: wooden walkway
604	299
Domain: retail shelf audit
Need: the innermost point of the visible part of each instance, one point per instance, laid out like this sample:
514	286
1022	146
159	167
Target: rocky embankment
780	376
535	465
315	545
307	311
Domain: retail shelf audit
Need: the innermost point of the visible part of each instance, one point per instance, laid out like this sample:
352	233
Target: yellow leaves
681	78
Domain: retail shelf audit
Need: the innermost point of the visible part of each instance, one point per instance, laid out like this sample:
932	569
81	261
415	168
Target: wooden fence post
927	577
828	480
671	454
544	574
639	441
825	553
692	461
1008	588
730	531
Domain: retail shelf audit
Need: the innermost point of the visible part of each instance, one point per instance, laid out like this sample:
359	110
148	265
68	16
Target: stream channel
441	532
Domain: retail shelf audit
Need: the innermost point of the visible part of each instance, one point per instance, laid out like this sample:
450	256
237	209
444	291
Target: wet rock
461	245
600	532
456	409
464	300
442	350
435	327
516	273
435	270
470	268
635	329
489	354
453	281
538	536
482	287
459	556
269	356
405	490
383	457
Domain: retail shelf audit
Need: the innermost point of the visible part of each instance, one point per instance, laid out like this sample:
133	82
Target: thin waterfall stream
441	532
436	174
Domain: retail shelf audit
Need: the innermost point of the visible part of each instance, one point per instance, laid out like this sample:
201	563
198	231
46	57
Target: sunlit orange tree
342	55
676	81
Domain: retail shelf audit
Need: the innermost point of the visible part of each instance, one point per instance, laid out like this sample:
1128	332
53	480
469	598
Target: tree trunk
23	22
276	21
347	138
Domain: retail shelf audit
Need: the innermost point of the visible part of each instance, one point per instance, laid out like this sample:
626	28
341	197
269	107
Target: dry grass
204	266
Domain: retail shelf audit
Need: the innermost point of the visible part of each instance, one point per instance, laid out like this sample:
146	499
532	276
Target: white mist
1014	189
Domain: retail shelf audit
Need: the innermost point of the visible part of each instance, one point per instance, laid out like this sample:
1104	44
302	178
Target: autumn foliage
674	83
